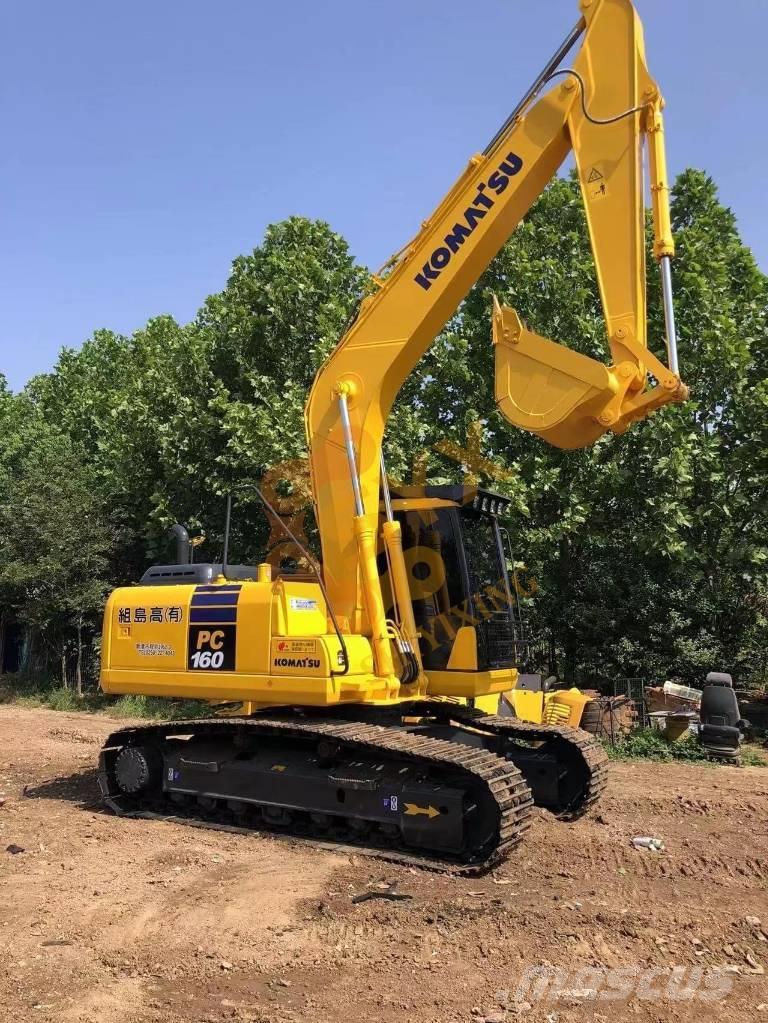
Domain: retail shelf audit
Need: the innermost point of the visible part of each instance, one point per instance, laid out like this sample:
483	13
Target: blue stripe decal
214	616
213	599
218	589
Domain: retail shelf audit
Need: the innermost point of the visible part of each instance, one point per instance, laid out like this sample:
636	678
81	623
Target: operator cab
457	555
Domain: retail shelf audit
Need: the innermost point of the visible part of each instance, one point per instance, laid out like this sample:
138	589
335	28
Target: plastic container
682	692
678	726
673	725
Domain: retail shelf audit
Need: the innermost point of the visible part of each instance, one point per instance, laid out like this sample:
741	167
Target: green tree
648	548
281	313
174	417
54	547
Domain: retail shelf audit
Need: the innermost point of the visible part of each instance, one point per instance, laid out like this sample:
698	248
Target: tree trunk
571	660
64	681
79	669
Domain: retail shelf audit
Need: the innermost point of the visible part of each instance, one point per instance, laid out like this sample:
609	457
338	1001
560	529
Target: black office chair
721	725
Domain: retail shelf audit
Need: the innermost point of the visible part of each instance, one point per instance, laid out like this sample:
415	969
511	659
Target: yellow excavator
361	689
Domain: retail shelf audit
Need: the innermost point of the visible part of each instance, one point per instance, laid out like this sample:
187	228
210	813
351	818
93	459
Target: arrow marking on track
412	810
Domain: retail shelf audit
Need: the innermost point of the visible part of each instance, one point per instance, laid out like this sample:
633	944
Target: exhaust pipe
183	548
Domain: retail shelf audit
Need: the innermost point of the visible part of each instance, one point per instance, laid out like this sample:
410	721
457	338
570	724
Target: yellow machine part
565	706
566	398
265	643
560	707
527	706
546	388
556	713
472	684
604	107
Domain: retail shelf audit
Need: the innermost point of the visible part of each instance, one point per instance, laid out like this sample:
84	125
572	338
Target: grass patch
50	696
56	698
649	744
751	757
157	708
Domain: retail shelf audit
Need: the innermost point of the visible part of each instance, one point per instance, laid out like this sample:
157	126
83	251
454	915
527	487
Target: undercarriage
431	783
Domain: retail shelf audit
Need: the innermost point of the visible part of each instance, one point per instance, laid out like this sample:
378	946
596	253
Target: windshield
485	566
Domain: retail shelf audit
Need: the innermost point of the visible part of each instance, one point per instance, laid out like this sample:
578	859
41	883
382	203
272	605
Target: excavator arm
565	397
602	108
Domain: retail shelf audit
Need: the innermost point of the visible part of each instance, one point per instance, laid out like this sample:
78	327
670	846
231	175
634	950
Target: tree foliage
55	544
648	550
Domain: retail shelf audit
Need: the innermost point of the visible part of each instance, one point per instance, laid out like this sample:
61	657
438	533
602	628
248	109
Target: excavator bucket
566	398
547	389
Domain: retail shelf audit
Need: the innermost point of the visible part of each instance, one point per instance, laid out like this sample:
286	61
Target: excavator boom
602	108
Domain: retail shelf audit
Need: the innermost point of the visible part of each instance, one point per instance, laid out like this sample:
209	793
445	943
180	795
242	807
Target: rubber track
593	754
503	780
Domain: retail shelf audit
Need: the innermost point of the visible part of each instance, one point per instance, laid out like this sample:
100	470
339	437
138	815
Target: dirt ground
117	921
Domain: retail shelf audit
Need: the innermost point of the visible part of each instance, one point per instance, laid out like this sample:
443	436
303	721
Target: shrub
649	744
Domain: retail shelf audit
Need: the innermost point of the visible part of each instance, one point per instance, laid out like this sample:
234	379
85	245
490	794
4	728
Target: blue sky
147	144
